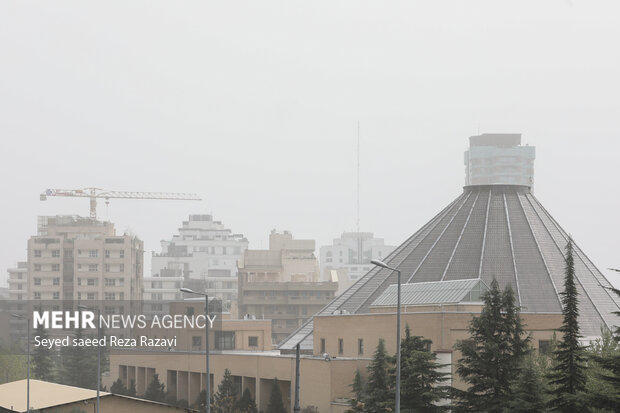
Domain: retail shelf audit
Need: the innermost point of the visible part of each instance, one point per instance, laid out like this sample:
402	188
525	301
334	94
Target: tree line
501	369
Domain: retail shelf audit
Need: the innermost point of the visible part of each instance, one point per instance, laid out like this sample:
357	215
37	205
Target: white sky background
254	106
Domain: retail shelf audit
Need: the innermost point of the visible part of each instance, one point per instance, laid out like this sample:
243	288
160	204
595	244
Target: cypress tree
155	390
529	389
43	365
379	395
226	395
491	360
421	376
568	377
275	399
609	362
358	386
246	403
79	367
118	387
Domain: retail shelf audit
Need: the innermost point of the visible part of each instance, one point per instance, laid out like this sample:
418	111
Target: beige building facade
343	343
282	284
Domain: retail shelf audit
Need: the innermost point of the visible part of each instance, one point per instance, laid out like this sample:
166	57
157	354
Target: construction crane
94	193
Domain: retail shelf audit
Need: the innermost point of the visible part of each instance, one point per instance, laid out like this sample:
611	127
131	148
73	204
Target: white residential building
203	255
350	256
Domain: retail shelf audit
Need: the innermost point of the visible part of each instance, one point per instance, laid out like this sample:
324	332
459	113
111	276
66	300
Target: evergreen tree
275	399
529	389
226	396
603	383
379	395
421	376
246	403
131	390
358	386
569	375
155	390
43	364
118	387
491	360
79	366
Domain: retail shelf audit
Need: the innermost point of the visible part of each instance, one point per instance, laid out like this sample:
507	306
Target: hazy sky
254	106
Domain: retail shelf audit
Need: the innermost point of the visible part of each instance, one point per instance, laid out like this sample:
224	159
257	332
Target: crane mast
97	193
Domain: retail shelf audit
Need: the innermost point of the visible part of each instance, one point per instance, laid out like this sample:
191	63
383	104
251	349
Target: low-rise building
46	397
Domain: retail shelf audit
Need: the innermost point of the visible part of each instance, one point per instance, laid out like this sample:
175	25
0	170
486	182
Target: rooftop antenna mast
359	236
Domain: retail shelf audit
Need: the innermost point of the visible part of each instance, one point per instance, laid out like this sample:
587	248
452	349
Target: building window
19	286
37	281
37	267
37	253
93	253
79	296
68	253
106	267
56	281
122	268
91	282
37	296
340	346
121	254
56	295
55	253
109	296
110	282
253	341
360	346
196	341
107	253
322	346
90	296
189	311
225	340
56	267
92	267
544	347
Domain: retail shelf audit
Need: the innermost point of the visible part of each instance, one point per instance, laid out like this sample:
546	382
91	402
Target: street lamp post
83	307
384	265
28	360
206	296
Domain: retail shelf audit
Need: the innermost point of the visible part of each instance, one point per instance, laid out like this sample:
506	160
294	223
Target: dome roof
489	231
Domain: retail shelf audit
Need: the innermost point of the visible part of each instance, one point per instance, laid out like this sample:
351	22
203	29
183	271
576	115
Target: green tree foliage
200	402
603	383
246	403
491	361
528	393
118	387
79	364
13	363
226	396
155	390
421	376
568	377
358	386
42	358
275	399
379	395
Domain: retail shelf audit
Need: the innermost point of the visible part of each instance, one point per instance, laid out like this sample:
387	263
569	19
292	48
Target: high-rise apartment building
203	256
75	258
499	158
283	284
350	255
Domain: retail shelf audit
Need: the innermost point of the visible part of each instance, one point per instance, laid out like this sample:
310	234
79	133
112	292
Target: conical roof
489	231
